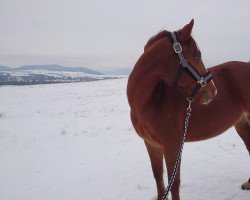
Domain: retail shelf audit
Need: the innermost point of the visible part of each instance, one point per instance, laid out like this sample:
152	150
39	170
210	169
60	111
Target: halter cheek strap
184	65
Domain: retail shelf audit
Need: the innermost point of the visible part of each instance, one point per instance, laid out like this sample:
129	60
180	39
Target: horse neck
140	86
147	73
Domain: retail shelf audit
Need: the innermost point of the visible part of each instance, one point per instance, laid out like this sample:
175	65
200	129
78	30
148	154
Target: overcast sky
105	34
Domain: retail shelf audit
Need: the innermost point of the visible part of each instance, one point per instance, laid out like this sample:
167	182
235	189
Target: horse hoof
246	186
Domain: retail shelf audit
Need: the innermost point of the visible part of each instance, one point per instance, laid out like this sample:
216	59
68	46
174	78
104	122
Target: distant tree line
32	79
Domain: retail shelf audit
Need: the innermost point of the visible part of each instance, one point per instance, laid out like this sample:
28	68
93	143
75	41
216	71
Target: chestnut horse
158	105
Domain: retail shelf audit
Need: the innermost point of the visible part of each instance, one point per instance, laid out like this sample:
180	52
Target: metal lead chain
178	159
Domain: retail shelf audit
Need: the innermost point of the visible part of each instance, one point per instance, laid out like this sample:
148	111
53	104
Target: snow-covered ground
75	141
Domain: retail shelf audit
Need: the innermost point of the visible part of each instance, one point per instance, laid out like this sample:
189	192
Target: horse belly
214	122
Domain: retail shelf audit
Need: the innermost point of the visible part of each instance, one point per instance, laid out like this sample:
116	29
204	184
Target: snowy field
76	142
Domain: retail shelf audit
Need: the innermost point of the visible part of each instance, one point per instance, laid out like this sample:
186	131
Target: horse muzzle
207	93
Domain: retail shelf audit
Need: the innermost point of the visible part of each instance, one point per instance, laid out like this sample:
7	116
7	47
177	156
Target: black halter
184	65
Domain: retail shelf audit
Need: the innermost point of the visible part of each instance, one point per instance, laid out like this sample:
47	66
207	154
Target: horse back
233	99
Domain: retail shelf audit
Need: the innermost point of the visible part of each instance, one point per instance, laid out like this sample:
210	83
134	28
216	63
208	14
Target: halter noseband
184	65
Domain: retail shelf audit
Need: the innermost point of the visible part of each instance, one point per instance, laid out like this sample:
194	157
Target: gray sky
105	34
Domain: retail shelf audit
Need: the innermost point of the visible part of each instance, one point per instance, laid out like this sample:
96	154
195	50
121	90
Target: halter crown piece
184	65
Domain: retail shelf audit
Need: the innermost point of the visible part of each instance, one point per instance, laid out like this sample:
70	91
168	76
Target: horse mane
155	38
158	94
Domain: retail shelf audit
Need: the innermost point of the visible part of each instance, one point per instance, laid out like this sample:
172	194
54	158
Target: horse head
185	71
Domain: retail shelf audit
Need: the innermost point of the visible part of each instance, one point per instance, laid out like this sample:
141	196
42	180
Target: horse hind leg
156	158
243	129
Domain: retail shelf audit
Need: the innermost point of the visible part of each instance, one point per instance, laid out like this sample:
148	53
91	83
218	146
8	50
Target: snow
75	141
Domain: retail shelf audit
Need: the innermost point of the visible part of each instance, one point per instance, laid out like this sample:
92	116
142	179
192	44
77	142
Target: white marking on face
215	92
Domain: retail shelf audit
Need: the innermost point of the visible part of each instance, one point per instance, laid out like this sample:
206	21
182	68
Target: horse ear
185	32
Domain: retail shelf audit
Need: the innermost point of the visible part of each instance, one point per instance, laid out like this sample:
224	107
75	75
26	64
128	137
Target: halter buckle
202	82
177	47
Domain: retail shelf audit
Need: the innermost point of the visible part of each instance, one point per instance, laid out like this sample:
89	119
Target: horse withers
157	90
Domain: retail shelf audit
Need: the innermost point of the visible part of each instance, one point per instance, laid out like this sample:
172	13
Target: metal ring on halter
202	82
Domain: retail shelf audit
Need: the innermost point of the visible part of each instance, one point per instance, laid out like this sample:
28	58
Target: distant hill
4	68
52	67
122	71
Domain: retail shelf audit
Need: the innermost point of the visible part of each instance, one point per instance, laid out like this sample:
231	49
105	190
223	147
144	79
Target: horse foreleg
156	158
170	155
243	129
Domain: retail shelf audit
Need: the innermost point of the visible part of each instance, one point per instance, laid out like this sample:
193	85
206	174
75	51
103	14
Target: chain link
178	159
